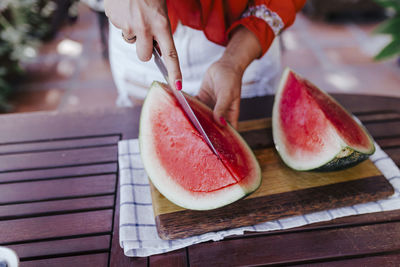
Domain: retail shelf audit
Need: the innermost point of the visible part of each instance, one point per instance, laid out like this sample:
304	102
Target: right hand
148	21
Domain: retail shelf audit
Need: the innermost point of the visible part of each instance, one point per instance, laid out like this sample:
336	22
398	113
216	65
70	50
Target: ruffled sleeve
218	19
266	19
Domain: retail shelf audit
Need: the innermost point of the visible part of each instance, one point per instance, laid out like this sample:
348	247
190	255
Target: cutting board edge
168	231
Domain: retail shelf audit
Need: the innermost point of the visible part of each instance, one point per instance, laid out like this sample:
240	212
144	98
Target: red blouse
218	18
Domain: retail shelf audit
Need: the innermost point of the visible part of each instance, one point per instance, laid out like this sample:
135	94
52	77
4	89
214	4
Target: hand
221	89
147	21
222	82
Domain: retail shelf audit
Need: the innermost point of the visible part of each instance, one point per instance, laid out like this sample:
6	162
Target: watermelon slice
181	165
312	131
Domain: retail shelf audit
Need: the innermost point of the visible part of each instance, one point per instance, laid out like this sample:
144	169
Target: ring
129	40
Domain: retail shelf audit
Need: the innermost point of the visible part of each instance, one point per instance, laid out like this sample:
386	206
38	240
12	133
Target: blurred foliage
390	27
23	25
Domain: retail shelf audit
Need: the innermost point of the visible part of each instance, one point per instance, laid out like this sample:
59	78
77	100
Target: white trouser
133	77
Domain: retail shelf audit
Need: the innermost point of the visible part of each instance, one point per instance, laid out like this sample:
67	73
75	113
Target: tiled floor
70	73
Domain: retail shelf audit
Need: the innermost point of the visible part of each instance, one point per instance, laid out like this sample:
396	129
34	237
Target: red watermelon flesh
179	162
311	128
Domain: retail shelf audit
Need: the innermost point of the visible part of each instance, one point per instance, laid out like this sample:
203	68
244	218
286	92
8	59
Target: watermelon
182	166
312	131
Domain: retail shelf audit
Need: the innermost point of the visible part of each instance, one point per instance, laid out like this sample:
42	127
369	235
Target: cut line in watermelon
179	162
313	131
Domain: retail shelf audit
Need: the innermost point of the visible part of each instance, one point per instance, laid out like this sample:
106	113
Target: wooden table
59	197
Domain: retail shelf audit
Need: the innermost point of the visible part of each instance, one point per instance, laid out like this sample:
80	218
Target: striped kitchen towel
138	234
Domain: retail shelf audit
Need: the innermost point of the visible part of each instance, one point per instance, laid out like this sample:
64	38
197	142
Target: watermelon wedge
313	131
181	165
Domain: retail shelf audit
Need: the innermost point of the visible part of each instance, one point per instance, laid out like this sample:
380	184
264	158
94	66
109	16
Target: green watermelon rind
172	190
337	161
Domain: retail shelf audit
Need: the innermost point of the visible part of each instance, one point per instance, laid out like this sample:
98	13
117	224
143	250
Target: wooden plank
257	124
90	260
348	221
257	139
384	129
45	227
379	116
48	145
62	158
55	207
256	108
298	247
27	126
56	189
256	210
63	246
365	261
61	172
390	142
367	103
171	259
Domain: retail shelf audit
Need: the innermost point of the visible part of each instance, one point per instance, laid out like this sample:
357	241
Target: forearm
242	49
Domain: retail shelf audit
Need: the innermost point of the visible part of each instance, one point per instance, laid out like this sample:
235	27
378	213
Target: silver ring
129	40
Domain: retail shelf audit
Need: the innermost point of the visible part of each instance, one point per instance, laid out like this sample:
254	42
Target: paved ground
70	72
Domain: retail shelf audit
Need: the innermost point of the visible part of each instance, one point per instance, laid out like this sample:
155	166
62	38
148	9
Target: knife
183	102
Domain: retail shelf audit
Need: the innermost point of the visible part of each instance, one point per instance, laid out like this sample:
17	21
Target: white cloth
196	53
137	230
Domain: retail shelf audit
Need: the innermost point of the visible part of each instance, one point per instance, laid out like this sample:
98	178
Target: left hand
221	89
222	82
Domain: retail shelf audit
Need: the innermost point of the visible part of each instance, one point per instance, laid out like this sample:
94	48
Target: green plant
391	27
23	25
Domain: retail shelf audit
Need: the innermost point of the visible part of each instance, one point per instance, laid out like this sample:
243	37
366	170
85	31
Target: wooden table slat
298	247
70	124
55	226
342	222
57	189
364	261
62	247
50	145
367	103
73	171
379	116
391	142
175	258
387	129
44	160
91	260
56	206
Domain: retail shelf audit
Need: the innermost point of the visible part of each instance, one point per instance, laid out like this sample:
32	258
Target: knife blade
184	104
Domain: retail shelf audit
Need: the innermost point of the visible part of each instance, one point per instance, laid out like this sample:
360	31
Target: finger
205	95
129	38
233	113
144	46
226	108
170	56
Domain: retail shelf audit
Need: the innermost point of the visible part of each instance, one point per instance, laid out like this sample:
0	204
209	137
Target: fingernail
223	121
178	85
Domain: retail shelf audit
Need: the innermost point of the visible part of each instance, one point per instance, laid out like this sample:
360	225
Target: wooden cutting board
283	192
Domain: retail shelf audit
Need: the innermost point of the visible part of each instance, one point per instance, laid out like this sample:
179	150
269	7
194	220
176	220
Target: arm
267	18
222	83
250	37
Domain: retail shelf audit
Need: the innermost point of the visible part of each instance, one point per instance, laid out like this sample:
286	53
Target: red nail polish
178	85
223	121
